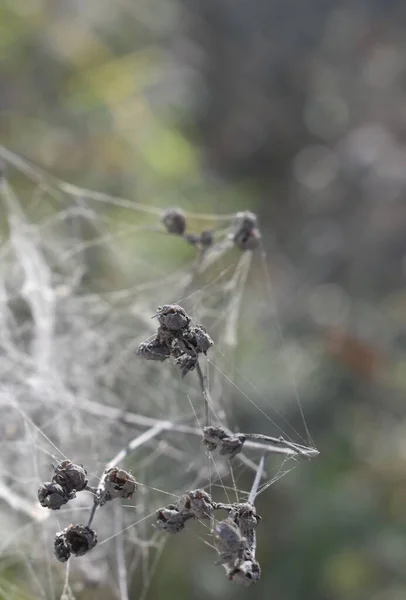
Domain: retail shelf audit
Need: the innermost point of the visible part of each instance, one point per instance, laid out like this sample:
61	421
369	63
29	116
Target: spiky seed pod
197	503
118	484
230	445
70	476
245	516
52	495
174	220
170	519
79	539
61	548
246	232
154	350
173	317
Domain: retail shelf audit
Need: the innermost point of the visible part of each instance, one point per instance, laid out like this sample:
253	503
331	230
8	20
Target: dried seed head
70	476
245	572
173	317
154	350
213	436
186	362
229	541
79	539
246	232
174	220
61	548
199	338
232	445
196	503
118	484
206	239
51	495
245	516
170	519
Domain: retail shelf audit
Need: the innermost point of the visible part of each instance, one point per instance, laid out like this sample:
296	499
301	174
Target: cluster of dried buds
235	536
177	337
196	504
245	232
68	479
174	221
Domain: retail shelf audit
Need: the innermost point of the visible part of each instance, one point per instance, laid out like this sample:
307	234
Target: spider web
72	386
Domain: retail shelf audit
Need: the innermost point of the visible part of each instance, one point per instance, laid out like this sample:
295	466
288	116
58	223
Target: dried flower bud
174	220
245	572
170	519
118	484
61	548
213	436
186	362
232	445
173	317
245	515
246	232
228	541
154	350
206	239
70	476
196	503
51	495
79	539
199	338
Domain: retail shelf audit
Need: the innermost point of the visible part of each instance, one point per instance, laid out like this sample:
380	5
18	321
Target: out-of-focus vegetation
295	110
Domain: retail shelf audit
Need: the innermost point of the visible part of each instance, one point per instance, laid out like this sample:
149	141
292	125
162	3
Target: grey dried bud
51	495
70	476
186	362
229	541
79	539
213	436
170	519
173	317
199	338
206	239
245	515
245	572
232	445
154	350
174	220
196	503
61	548
246	232
118	484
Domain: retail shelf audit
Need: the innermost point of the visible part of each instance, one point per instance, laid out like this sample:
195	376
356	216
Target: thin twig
205	392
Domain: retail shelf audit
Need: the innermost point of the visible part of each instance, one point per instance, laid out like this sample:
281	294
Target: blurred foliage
295	110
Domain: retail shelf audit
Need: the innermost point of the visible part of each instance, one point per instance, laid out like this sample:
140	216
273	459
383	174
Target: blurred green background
295	110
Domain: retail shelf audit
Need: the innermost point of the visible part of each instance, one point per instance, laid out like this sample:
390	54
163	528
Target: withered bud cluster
68	479
196	504
177	337
174	221
230	444
246	234
76	540
117	484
